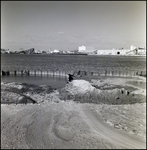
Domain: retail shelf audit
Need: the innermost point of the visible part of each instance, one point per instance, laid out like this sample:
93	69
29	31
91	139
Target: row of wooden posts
80	73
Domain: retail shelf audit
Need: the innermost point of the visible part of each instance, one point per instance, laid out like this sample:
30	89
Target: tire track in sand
119	138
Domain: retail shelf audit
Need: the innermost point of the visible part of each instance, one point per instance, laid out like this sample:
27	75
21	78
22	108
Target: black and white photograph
73	74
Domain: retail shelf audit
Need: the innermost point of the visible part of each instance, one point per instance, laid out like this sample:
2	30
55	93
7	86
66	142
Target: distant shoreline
78	54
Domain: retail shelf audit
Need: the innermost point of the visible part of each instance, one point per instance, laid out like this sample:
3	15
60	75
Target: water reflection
139	84
53	81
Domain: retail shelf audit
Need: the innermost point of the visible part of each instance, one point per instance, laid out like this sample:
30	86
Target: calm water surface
19	62
54	82
69	62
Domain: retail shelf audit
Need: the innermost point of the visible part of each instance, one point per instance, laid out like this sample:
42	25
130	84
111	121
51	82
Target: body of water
12	62
54	82
69	62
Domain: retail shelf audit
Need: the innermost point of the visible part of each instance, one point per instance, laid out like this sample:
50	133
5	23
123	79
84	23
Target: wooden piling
22	72
112	73
3	73
60	73
15	72
28	72
35	72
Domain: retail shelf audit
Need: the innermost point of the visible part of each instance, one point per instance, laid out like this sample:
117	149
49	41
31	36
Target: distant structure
5	51
49	51
56	51
38	52
86	49
29	51
82	49
112	52
132	51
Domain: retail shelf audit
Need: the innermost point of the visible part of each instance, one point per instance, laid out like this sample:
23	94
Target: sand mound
101	93
26	93
79	87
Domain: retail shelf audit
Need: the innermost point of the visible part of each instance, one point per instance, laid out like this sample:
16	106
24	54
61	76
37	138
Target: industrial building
86	49
113	52
132	51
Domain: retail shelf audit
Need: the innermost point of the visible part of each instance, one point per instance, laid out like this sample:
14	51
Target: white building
55	51
82	48
113	52
107	52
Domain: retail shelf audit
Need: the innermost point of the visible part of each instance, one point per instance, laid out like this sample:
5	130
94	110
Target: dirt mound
79	87
19	93
103	93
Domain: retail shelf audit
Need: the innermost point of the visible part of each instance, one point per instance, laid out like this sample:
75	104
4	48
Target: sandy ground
53	122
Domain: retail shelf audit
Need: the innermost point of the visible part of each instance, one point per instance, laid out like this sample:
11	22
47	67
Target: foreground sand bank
52	122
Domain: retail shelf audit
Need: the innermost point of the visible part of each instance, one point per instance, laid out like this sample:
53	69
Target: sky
66	25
